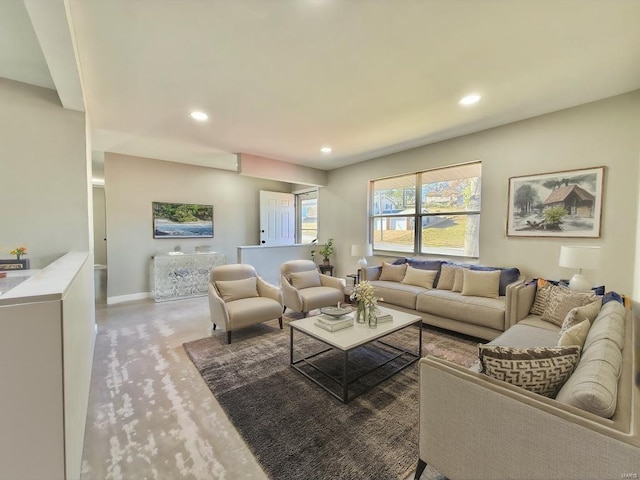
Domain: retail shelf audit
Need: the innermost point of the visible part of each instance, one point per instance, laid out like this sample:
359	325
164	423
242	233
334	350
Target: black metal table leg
345	381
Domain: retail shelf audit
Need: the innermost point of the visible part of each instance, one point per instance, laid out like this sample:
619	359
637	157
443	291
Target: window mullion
417	239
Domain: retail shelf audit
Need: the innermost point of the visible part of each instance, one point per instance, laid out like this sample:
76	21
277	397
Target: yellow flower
19	251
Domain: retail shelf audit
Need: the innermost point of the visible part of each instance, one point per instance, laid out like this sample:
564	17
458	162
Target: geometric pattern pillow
561	301
542	296
541	370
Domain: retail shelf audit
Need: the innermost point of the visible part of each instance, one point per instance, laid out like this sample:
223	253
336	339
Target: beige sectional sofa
485	316
475	426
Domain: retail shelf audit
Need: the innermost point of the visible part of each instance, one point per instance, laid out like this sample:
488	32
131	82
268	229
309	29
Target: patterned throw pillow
542	296
561	301
541	370
393	273
447	277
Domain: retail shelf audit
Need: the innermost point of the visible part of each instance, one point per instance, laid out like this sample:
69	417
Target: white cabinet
181	276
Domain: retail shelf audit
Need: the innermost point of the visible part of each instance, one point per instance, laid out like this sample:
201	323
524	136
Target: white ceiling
281	78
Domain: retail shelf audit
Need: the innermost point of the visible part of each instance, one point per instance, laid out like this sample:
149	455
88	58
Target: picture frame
182	220
566	203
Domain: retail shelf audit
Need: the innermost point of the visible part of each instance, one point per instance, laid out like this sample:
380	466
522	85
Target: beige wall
44	192
133	183
601	133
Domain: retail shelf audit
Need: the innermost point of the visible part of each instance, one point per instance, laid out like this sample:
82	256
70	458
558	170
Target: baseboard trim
128	298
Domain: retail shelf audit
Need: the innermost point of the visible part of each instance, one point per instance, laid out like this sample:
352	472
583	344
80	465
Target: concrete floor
151	416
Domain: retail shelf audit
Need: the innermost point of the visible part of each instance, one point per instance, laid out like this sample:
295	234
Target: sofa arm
522	300
473	426
265	289
370	273
510	301
290	296
218	310
333	282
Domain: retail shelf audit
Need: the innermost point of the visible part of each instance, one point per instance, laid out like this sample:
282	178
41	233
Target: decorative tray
336	312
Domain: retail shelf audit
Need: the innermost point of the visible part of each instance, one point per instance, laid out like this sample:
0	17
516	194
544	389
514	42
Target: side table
326	268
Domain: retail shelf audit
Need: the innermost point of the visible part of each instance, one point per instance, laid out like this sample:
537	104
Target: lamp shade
361	250
581	257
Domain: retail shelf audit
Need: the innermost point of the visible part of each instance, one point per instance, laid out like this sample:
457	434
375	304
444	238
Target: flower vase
361	312
372	317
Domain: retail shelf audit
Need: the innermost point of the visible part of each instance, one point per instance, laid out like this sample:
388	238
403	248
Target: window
307	213
443	220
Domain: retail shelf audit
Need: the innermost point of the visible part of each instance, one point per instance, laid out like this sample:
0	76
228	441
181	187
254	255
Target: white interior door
277	218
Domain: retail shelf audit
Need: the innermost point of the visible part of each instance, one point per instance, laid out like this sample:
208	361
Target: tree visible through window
444	219
307	208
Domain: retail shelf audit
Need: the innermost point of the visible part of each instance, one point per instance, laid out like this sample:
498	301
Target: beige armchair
238	297
305	289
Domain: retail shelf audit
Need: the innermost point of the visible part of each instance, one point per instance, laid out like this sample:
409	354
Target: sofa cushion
594	385
310	278
447	276
578	315
316	297
561	301
419	278
481	284
487	312
522	335
231	290
393	273
541	370
396	293
507	275
458	280
575	335
535	321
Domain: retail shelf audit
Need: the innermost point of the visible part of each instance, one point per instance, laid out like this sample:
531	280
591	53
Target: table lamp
580	257
362	250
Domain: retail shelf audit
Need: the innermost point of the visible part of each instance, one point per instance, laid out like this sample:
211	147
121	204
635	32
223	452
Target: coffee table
346	341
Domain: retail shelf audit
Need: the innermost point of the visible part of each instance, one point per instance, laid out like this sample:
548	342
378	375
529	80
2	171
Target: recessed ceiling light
201	116
325	149
470	99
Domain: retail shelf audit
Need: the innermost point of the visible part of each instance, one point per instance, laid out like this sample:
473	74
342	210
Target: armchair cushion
310	278
231	290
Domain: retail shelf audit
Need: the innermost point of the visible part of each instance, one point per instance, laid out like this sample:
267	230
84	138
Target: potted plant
18	252
326	251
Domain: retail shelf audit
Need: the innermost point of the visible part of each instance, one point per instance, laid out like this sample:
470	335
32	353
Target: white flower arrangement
363	292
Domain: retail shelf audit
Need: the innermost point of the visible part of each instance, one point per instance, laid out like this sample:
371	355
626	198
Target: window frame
418	215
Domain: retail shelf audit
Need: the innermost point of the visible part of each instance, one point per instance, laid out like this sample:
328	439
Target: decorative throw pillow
231	290
481	284
579	314
310	278
542	297
393	273
575	335
540	370
419	278
447	277
561	301
458	280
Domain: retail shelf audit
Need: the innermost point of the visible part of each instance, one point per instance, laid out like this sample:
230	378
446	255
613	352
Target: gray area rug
298	431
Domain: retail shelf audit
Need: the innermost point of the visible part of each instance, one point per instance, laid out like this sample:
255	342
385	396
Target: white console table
181	276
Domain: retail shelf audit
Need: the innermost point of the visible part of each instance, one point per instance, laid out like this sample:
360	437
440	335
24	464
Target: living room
48	192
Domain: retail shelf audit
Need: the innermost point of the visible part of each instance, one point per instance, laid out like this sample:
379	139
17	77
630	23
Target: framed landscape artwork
182	220
557	204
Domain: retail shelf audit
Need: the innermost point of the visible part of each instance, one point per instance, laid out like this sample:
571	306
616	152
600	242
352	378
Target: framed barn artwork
557	204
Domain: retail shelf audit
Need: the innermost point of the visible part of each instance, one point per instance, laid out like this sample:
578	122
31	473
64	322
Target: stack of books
384	317
332	324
